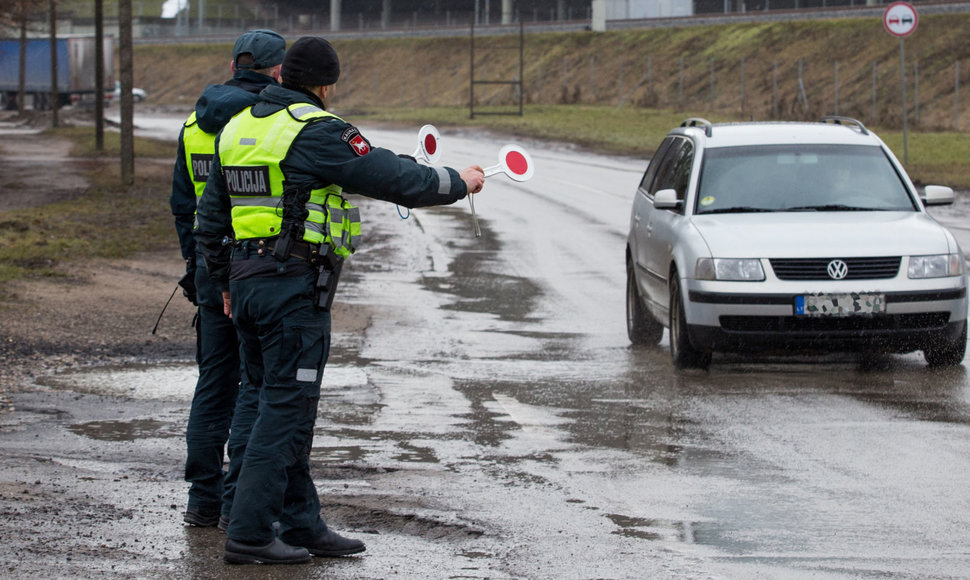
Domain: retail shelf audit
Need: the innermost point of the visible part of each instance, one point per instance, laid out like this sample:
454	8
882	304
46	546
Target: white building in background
603	10
171	8
628	9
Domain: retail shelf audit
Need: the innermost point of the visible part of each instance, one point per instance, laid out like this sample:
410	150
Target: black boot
200	518
332	544
275	552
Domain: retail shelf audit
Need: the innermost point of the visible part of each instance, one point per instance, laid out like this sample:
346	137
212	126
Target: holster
328	274
294	214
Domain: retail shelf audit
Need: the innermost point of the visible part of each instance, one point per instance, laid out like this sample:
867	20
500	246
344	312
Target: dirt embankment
781	70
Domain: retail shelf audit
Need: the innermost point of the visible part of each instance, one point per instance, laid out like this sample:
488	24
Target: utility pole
127	81
334	15
99	75
21	87
53	36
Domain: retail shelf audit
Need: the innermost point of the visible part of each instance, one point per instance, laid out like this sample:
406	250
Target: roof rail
698	121
840	120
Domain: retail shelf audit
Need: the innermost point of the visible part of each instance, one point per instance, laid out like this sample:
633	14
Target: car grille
792	324
817	268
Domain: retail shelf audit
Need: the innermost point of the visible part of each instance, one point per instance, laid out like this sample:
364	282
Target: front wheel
682	352
947	353
640	326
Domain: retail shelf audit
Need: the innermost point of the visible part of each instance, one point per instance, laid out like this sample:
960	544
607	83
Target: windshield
799	178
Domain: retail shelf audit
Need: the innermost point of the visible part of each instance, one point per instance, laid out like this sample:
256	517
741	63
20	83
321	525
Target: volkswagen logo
837	269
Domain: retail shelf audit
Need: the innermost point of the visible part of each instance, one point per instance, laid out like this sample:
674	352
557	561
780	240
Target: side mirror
938	195
666	199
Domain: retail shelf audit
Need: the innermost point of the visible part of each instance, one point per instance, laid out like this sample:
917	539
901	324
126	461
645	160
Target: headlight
739	270
938	266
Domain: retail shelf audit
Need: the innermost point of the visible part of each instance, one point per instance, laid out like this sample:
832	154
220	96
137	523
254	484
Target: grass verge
85	146
105	221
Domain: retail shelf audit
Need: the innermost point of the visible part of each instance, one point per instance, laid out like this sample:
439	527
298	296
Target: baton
164	307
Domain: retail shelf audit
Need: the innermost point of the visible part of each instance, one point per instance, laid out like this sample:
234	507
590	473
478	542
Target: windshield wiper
830	207
738	209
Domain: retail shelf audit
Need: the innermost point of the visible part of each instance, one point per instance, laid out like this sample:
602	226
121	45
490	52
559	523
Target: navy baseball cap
266	46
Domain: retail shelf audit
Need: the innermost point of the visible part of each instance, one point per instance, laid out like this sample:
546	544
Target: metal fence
750	88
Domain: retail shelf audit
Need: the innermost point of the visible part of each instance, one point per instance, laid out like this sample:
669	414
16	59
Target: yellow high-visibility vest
250	151
200	148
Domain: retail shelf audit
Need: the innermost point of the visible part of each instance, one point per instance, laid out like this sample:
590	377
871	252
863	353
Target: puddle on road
160	382
653	529
173	382
414	454
339	454
127	430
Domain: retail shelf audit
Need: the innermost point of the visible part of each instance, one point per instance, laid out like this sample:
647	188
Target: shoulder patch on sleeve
358	144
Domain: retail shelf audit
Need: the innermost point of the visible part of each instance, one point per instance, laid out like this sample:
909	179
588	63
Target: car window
674	172
654	163
663	167
800	178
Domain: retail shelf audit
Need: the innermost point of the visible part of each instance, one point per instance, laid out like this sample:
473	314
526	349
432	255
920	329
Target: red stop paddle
513	161
428	150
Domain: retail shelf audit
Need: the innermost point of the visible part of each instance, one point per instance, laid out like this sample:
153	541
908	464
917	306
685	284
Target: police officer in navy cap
256	59
275	227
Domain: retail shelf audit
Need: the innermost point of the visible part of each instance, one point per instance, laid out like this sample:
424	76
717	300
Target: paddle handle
471	203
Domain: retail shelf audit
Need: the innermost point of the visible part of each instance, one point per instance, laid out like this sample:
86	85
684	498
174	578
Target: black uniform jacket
326	151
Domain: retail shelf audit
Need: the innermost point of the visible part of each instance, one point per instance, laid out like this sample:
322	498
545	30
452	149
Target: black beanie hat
311	61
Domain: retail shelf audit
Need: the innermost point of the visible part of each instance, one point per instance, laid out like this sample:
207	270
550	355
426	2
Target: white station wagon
790	237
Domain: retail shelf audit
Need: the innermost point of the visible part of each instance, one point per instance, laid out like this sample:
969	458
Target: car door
660	225
642	210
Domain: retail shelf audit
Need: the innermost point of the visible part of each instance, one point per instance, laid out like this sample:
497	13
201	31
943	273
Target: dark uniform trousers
285	342
217	355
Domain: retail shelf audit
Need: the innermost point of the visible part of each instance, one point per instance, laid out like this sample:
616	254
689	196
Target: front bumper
925	313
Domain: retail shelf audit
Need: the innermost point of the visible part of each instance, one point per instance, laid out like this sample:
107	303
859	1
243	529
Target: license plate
852	304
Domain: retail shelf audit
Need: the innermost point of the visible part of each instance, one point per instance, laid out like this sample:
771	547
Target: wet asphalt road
494	422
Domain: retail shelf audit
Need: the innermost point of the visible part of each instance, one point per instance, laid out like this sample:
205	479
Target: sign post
900	19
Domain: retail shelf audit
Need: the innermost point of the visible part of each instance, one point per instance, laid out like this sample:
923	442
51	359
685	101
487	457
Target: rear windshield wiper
737	209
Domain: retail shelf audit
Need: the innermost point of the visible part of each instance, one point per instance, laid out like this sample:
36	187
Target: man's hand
474	178
188	287
225	305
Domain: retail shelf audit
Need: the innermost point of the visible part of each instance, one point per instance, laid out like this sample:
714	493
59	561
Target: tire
947	353
682	352
641	327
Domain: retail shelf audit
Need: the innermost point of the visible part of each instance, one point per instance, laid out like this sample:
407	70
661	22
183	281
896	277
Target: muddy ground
94	309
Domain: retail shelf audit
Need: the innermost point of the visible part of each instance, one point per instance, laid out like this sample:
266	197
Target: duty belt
301	250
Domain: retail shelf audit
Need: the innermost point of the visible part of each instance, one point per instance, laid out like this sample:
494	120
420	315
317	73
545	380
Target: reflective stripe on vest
250	151
200	148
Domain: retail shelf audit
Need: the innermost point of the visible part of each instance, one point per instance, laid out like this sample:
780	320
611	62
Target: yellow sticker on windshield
707	200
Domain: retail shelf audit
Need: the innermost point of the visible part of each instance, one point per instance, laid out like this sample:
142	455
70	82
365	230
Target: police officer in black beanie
277	192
